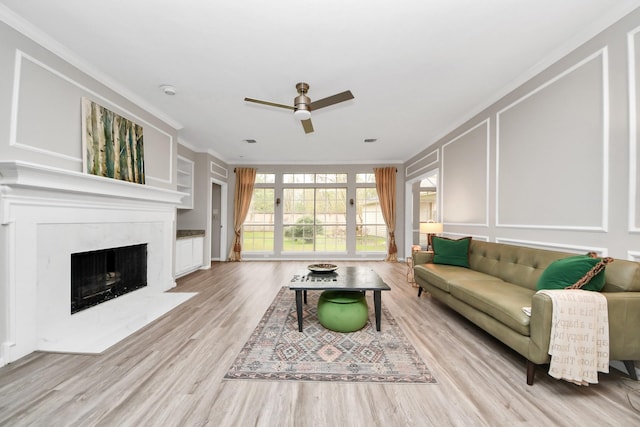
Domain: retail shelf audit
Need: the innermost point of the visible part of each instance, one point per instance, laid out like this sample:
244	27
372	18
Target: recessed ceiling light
370	140
250	141
168	90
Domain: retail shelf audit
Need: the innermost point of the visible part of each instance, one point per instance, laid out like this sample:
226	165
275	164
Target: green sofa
502	280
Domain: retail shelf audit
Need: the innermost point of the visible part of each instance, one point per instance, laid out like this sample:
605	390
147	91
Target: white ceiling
417	68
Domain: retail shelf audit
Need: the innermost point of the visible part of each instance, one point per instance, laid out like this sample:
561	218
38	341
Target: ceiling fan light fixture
302	114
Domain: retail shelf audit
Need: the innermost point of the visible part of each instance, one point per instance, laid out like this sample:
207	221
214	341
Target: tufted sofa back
523	266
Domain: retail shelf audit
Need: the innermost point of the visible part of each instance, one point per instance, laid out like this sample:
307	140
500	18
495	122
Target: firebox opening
98	276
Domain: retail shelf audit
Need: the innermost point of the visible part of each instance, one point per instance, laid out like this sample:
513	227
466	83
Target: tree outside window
258	228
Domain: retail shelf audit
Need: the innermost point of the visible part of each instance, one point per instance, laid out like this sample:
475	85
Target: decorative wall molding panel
561	247
218	169
465	193
560	129
633	54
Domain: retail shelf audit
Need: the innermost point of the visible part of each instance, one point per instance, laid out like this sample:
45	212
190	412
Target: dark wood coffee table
344	278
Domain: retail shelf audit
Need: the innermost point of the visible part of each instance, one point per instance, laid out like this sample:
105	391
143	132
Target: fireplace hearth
99	276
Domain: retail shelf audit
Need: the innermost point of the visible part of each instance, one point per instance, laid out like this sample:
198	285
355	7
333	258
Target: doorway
421	205
216	221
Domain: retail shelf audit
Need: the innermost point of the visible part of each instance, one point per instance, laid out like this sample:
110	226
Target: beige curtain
386	188
245	179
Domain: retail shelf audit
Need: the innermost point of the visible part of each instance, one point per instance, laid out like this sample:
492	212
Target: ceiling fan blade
273	104
330	100
307	125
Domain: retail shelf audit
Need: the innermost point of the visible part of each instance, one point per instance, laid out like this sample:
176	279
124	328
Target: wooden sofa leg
420	291
531	372
631	369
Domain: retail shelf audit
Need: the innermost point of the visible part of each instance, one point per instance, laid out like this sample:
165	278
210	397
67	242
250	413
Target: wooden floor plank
171	373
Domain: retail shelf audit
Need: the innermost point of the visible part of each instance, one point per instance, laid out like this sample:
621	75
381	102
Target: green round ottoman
343	311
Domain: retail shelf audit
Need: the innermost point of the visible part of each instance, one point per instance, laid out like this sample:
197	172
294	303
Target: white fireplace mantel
46	214
38	177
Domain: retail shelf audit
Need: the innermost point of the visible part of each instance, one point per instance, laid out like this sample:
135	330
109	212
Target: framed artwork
112	145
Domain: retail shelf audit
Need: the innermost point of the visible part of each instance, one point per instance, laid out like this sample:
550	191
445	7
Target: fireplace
99	276
47	215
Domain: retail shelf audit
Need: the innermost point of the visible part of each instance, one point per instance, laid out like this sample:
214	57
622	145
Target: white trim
421	168
633	132
20	55
633	256
605	145
552	227
224	199
464	224
562	247
486	121
13	122
473	236
606	124
224	175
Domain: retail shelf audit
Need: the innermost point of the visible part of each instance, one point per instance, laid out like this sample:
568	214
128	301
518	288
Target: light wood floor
171	372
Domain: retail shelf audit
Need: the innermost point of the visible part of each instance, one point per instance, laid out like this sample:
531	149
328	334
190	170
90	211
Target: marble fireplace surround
46	214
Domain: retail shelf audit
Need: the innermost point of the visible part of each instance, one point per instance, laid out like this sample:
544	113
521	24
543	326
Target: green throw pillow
567	271
451	252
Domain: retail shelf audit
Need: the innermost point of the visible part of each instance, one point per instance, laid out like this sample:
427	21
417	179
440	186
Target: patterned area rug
277	351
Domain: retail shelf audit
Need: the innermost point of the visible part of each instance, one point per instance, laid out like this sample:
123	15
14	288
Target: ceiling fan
302	105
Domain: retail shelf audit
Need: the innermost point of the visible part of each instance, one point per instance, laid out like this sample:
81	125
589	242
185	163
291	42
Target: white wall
553	164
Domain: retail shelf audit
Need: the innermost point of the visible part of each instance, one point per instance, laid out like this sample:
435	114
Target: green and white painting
112	145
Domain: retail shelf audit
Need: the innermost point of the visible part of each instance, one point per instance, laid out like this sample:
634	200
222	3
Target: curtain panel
245	180
386	189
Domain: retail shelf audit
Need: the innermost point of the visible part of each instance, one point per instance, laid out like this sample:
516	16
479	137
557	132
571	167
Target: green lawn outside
260	241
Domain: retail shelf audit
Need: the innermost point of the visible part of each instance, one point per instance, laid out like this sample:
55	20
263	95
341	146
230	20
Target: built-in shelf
185	182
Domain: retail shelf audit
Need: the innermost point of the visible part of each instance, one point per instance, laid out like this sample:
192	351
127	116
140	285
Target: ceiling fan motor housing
302	101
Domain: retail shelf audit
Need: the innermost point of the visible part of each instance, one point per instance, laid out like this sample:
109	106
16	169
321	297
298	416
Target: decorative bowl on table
322	268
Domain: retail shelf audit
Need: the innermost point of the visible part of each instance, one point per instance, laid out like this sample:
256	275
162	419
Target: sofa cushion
564	272
501	300
439	275
451	252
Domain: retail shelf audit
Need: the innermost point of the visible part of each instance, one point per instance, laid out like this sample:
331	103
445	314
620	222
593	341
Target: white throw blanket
579	344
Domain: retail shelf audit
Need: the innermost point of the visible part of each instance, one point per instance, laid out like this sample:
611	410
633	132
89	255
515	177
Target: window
371	230
314	178
258	227
314	215
265	178
314	219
